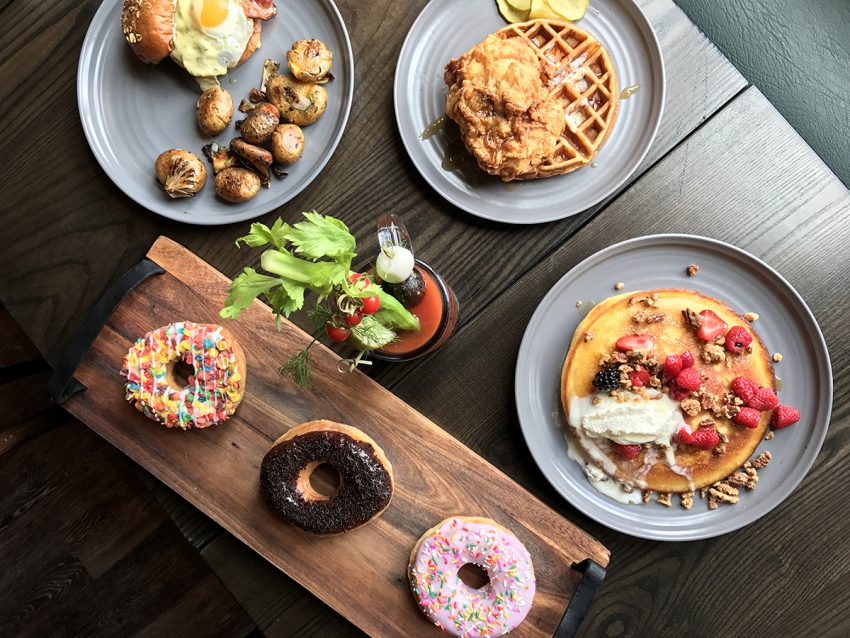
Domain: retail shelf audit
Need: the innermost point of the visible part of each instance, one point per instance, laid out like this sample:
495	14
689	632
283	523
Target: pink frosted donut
452	605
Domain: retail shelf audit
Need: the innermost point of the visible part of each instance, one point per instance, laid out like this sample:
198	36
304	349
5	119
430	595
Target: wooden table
724	165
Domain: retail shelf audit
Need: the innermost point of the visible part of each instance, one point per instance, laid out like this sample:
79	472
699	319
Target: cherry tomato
371	305
337	333
353	319
365	283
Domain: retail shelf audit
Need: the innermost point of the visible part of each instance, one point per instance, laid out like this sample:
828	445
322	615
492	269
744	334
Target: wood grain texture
90	553
774	198
78	208
218	469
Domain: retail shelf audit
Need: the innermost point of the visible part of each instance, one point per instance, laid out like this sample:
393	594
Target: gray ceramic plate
728	274
131	111
447	28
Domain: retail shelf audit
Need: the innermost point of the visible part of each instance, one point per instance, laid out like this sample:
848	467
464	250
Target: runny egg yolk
213	13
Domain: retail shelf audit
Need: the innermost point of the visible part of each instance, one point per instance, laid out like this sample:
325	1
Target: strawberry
783	416
689	379
763	399
687	359
635	342
711	326
705	438
672	366
737	339
744	388
683	436
748	417
639	377
626	451
678	394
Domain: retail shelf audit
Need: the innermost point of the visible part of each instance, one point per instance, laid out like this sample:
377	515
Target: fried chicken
499	98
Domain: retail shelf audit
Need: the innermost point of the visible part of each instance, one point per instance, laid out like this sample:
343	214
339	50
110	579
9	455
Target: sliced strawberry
639	377
626	451
748	418
635	342
763	399
705	438
783	416
672	366
711	326
687	359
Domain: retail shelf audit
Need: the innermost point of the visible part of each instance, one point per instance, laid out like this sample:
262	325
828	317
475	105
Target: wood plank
775	198
435	476
50	291
15	347
88	552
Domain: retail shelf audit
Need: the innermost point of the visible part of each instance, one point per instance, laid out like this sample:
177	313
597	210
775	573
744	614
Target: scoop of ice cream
634	421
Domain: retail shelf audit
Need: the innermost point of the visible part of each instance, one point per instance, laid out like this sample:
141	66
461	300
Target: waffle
580	73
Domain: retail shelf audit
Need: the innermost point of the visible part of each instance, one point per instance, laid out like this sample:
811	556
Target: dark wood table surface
724	165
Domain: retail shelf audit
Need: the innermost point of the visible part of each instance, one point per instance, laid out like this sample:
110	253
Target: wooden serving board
363	573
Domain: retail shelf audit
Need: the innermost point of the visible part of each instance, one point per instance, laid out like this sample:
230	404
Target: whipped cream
635	421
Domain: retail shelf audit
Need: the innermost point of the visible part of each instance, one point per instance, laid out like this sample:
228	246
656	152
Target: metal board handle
590	583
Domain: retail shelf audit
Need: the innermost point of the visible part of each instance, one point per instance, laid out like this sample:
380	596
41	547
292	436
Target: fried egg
210	35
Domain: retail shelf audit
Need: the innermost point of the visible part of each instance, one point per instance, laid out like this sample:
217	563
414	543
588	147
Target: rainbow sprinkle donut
215	387
454	606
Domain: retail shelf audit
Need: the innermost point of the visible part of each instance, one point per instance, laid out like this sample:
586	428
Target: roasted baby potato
261	121
214	110
310	60
299	103
287	143
180	172
254	157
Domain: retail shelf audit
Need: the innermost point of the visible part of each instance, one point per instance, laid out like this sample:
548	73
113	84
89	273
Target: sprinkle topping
454	606
214	388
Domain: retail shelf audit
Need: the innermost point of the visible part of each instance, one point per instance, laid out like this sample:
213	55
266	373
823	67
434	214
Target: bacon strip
259	9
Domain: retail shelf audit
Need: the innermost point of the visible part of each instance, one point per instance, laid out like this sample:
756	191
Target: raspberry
626	451
744	388
639	377
607	379
748	417
705	438
683	436
689	379
678	394
763	399
737	339
783	416
672	366
687	359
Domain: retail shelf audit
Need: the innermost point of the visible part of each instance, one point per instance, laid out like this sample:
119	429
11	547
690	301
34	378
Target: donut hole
325	480
473	576
180	373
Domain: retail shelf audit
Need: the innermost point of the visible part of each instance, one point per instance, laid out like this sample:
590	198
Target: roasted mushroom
180	172
237	185
287	143
254	157
310	60
214	110
257	127
220	157
298	102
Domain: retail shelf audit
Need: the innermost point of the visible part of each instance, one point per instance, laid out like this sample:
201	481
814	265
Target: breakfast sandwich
205	37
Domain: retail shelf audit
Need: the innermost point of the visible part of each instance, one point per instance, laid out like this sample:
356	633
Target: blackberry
607	379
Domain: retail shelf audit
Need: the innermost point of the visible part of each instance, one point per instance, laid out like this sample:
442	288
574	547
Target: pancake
673	467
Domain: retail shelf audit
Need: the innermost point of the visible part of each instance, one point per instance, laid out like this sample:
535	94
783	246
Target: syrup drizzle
629	91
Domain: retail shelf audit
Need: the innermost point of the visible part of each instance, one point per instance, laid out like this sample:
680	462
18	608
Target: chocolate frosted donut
366	480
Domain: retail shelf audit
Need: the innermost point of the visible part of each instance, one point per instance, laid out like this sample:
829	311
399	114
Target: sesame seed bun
148	27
